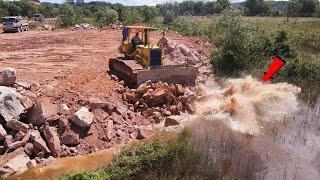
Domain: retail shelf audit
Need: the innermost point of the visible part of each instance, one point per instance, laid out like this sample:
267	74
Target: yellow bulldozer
143	61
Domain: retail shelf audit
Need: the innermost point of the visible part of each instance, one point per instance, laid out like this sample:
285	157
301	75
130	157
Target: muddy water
246	102
285	133
69	165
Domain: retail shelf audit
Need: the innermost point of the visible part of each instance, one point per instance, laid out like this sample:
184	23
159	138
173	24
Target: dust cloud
244	102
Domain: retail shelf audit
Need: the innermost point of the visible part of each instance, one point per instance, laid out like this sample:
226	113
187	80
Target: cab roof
140	27
7	17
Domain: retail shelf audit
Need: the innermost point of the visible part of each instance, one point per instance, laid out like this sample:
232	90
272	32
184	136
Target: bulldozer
144	61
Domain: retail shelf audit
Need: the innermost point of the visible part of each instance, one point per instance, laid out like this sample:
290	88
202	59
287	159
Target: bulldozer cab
129	32
144	52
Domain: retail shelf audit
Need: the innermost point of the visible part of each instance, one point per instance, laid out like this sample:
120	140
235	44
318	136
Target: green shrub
107	17
67	15
231	37
157	158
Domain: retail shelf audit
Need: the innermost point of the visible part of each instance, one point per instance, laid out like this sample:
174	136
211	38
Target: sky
133	2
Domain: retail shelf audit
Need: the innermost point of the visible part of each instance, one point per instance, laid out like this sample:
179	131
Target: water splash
244	102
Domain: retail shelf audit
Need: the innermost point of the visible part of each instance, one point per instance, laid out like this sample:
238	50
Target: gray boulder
3	133
43	111
10	104
83	117
52	139
18	126
8	77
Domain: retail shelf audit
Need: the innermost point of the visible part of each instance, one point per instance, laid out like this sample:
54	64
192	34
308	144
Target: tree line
101	13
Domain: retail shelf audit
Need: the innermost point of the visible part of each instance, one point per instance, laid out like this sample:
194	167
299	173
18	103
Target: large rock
144	134
42	111
10	104
38	142
52	139
3	133
13	162
172	121
29	149
143	88
83	117
18	126
110	131
8	77
70	138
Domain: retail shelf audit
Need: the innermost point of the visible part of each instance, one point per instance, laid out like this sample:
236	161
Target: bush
230	35
107	17
67	15
157	158
169	17
317	11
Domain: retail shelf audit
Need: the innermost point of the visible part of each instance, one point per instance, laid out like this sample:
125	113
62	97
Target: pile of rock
47	27
181	54
31	130
158	100
83	26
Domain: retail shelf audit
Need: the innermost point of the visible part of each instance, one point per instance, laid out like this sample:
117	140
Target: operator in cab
136	41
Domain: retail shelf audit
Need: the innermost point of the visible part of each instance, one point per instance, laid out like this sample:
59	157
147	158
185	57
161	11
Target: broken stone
70	138
27	103
97	103
172	121
52	138
18	126
48	161
19	136
143	88
99	114
63	123
42	111
190	108
13	162
144	134
10	104
41	144
122	110
110	132
117	118
179	89
83	117
16	145
8	140
64	107
114	77
32	163
2	150
3	133
8	77
29	149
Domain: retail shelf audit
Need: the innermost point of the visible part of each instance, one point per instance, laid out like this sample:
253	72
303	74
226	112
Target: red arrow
276	64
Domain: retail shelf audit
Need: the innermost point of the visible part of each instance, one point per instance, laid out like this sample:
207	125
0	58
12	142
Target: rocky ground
57	99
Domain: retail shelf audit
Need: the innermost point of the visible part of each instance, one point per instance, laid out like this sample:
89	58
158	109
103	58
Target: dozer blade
134	74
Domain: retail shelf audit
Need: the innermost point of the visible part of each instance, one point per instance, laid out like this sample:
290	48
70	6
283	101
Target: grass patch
207	150
155	158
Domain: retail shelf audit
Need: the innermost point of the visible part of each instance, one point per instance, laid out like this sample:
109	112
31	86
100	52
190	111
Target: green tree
230	57
149	13
67	15
317	11
169	17
107	17
131	16
305	8
256	7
